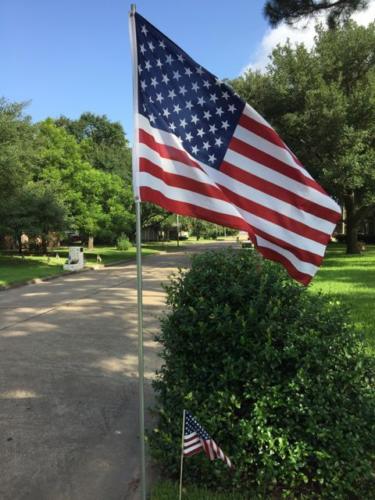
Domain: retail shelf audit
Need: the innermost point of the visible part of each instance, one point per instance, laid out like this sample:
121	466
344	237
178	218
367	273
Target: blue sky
72	56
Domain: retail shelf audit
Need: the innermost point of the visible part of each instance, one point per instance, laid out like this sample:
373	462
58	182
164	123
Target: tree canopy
99	202
68	176
291	11
103	143
322	102
16	152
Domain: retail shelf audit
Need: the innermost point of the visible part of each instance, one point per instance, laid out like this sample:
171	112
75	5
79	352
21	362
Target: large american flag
203	152
197	439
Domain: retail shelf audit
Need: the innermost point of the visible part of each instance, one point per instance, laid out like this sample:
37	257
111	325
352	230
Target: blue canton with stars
179	96
192	425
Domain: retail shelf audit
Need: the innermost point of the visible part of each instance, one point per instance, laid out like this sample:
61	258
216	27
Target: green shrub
123	243
277	376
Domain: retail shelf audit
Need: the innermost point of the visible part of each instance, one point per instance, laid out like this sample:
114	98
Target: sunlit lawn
351	278
15	269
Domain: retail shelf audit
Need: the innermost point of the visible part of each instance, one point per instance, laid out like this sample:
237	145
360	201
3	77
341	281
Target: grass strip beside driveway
15	269
166	490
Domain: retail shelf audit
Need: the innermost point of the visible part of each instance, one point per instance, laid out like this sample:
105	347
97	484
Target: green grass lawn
169	491
15	269
351	279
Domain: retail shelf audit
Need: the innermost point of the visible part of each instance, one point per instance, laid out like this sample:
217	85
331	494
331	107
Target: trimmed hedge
277	376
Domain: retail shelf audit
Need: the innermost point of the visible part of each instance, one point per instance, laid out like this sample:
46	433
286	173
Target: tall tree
99	203
291	11
16	152
102	205
322	102
36	210
103	143
46	210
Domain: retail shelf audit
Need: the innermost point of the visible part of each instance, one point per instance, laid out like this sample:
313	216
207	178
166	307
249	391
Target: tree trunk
352	225
45	244
90	243
355	216
19	242
352	246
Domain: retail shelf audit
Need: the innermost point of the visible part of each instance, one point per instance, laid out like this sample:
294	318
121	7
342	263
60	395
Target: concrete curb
35	281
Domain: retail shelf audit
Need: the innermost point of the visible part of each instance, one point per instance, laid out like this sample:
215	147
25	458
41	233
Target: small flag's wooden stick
178	230
182	453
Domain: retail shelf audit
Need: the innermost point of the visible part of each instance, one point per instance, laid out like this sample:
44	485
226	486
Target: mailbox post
75	260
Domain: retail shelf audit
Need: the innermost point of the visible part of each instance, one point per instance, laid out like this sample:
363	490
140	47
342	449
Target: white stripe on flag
252	113
186	196
267	147
173	166
272	224
270	175
268	201
303	267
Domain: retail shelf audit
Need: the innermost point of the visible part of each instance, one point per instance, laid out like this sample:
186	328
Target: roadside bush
276	375
123	243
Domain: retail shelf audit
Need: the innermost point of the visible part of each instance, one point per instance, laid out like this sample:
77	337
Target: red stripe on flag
191	440
273	163
181	181
279	192
208	449
302	255
270	254
193	452
164	151
229	196
262	130
276	217
188	209
266	132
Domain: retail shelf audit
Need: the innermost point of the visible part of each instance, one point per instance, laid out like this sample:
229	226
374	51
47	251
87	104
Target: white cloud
301	32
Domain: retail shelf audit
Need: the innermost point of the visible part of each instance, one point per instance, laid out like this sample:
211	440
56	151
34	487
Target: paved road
68	382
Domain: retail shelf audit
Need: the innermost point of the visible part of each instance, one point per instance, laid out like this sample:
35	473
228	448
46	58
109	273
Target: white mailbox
75	260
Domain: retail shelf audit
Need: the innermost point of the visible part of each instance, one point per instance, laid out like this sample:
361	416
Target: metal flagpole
139	250
182	453
140	352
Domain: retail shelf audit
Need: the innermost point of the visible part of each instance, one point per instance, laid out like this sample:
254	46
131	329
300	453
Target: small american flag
196	439
203	152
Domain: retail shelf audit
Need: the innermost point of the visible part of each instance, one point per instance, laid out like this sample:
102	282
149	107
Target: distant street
68	381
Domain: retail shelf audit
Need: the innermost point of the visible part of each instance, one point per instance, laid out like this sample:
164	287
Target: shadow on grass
169	491
18	270
353	278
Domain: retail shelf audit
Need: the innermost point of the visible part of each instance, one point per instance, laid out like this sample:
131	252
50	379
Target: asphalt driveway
68	381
